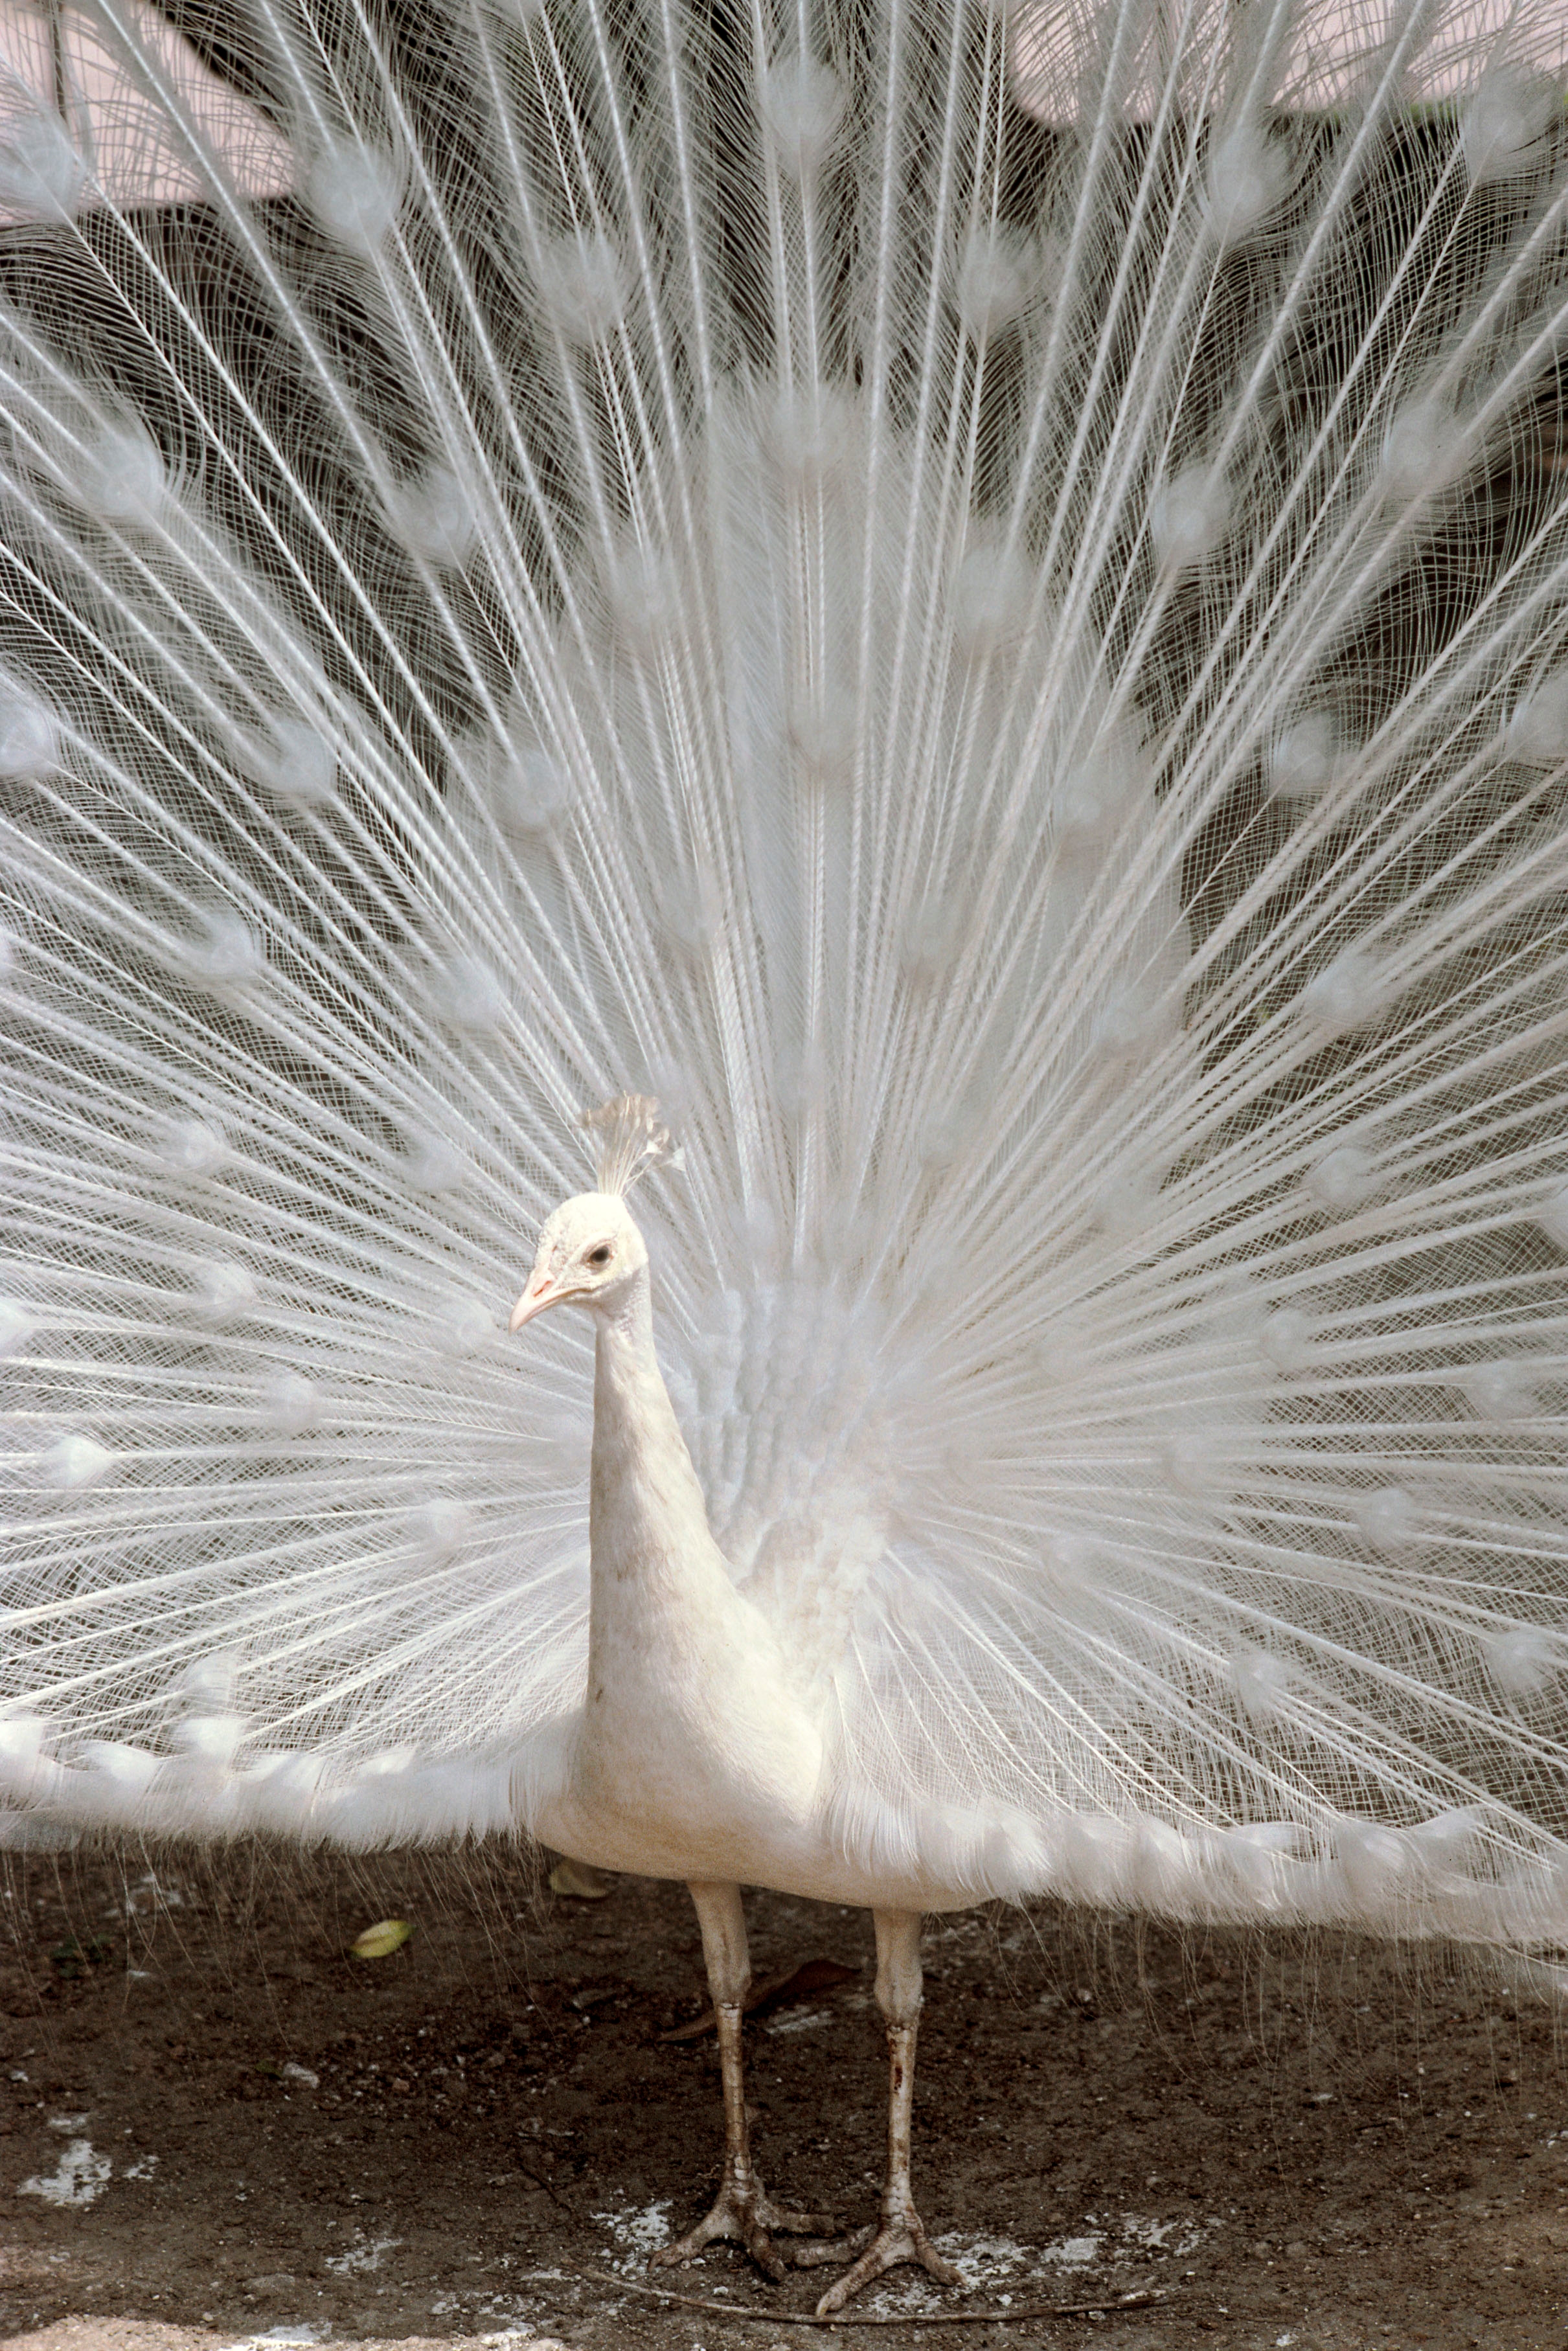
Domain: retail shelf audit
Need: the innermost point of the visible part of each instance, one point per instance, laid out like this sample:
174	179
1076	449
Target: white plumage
975	599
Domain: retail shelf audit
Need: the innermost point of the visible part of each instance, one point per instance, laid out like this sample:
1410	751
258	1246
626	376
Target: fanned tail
974	600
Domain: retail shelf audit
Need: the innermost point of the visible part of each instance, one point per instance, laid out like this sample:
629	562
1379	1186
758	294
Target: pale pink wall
125	153
1332	45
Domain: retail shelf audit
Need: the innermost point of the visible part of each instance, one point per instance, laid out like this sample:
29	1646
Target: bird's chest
693	1744
687	1714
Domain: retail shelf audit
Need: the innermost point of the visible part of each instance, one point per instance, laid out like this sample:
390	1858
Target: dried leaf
377	1942
582	1884
775	1992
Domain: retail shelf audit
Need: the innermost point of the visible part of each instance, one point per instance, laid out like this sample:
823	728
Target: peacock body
976	601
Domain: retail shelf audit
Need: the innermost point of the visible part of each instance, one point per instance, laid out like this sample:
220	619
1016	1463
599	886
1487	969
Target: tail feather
977	601
211	1793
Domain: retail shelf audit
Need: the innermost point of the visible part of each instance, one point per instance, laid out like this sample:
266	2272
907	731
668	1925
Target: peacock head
591	1249
588	1253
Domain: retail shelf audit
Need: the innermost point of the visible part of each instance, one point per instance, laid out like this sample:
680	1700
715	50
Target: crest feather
629	1137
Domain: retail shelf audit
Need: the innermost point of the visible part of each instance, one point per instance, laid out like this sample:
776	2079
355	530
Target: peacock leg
742	2208
902	2235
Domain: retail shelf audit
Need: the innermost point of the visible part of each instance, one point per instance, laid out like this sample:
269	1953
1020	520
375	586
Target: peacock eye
599	1256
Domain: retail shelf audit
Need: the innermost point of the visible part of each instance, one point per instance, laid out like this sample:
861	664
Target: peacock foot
903	2239
744	2209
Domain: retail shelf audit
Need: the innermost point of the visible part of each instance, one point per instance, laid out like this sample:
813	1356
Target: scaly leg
742	2208
901	2236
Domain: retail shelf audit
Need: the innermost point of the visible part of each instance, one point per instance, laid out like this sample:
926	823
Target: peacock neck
646	1514
691	1751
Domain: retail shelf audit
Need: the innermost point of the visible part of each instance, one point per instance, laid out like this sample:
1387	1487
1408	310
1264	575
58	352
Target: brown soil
1318	2147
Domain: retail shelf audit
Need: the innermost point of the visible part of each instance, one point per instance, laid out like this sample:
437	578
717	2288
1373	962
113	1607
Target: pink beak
533	1301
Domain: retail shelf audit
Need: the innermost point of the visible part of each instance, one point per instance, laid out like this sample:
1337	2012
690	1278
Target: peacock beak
534	1300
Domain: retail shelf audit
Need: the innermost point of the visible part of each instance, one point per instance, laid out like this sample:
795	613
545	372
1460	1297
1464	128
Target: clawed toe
895	2242
749	2216
757	2241
798	2224
818	2252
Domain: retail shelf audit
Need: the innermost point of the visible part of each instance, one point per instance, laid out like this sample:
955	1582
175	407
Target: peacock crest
629	1138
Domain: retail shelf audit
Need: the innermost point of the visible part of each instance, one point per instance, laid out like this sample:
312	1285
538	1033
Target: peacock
926	640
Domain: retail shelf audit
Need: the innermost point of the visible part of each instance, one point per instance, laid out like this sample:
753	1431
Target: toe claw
744	2211
685	2248
759	2247
894	2241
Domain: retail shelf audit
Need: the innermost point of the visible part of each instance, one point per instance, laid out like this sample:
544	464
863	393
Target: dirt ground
217	2119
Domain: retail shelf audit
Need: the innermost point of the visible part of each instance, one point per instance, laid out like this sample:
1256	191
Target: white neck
691	1758
648	1519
